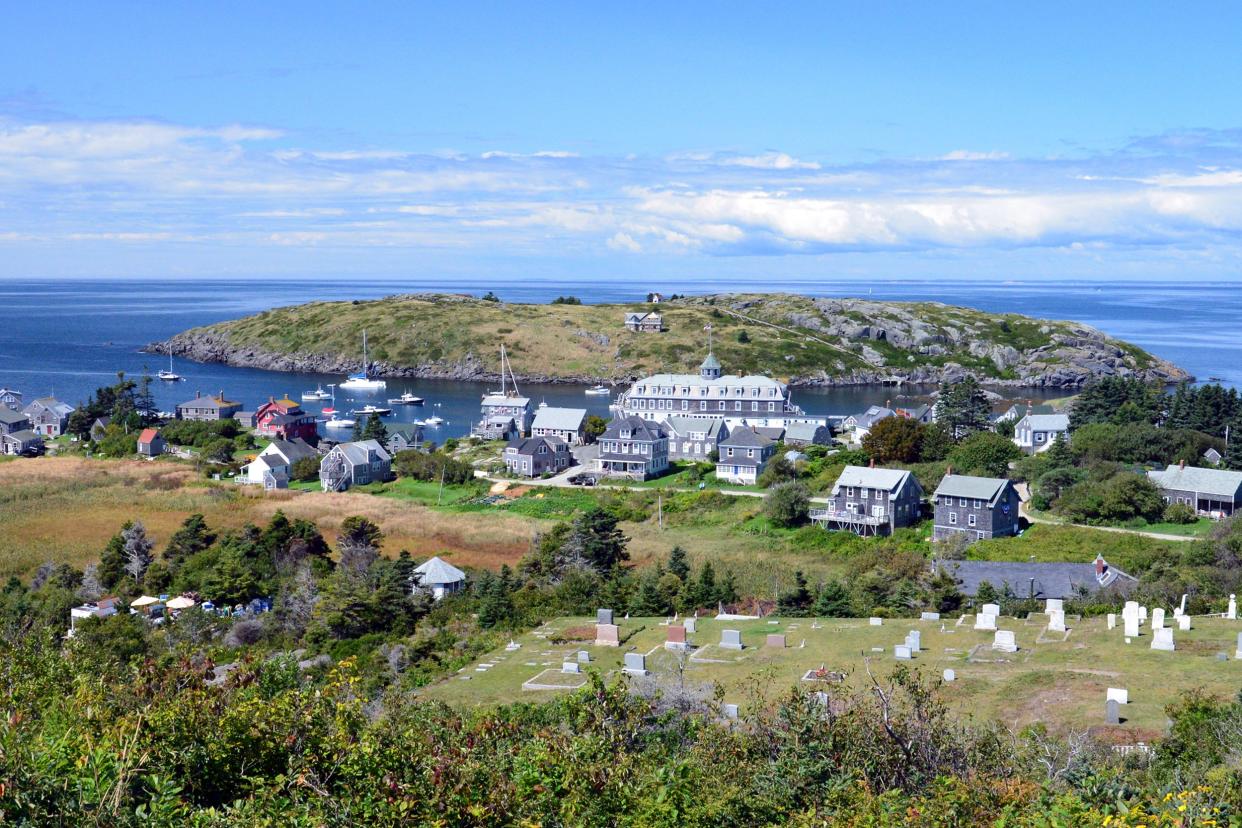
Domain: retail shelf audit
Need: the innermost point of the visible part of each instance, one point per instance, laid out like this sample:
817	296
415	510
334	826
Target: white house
273	468
438	577
97	609
1037	432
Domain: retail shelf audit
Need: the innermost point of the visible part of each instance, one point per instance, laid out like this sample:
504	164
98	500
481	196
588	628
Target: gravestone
1118	694
1054	604
950	676
774	640
603	616
1183	623
902	653
730	711
1238	653
875	622
821	698
512	645
1056	620
990	609
731	640
607	635
636	664
676	638
570	667
1162	639
1232	612
1112	620
914	640
1112	712
1181	610
1157	618
1131	608
986	618
929	616
690	624
1142	613
1005	642
584	657
1132	626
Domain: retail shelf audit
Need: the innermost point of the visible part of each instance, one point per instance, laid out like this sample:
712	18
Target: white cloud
969	155
624	241
770	161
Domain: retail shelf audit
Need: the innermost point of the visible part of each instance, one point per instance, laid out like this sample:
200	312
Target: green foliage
1116	400
1180	513
1118	498
984	453
435	466
963	407
787	504
200	434
895	440
797	601
128	403
742	337
117	442
595	426
567	300
305	469
375	429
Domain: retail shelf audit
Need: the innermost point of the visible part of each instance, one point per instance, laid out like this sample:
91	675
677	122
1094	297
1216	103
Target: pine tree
963	407
833	601
796	601
649	600
193	537
678	564
374	429
705	593
111	568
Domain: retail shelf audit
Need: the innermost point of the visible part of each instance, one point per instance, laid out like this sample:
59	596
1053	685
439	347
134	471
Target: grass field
1061	682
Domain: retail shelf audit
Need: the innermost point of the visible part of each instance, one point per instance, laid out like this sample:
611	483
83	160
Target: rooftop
1039	580
975	488
1047	422
871	478
438	571
1194	479
559	419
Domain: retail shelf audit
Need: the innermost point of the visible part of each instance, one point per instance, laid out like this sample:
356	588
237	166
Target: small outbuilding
151	443
438	577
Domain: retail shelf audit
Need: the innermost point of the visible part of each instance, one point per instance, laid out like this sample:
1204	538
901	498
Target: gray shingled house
404	439
208	408
743	456
976	507
694	438
871	501
1037	432
354	464
1038	580
537	456
1211	492
569	424
633	447
12	420
807	434
48	416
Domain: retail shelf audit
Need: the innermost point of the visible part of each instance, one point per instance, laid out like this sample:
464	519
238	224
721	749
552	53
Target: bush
419	466
305	469
787	504
1181	513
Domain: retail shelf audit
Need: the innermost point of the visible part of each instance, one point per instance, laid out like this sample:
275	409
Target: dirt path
1025	493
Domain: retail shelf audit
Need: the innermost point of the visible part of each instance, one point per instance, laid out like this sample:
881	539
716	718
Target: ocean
67	337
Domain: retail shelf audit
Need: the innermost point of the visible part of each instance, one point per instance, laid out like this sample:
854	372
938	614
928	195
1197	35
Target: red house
285	419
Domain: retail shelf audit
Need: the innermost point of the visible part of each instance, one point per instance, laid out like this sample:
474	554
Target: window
750	452
978	504
953	518
771	406
1039	436
702	405
737	406
862	493
961	501
754	406
970	520
730	452
685	405
722	405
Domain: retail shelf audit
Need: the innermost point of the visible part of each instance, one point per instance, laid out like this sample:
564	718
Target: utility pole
660	510
440	494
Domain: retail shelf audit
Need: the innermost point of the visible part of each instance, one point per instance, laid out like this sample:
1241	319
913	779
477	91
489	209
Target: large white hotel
752	400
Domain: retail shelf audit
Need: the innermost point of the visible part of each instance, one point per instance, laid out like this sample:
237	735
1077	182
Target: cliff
802	340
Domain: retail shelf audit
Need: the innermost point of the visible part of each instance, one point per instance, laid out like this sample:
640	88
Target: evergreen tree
678	564
963	407
833	601
705	592
649	599
727	591
597	542
111	570
797	600
375	429
193	537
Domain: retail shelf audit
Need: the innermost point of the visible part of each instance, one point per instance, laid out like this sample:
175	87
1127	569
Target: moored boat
406	399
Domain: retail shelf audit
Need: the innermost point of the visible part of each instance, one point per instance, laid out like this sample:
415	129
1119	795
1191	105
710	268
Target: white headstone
1183	623
1238	653
730	639
1054	604
1056	620
1132	626
902	652
1157	618
636	664
1181	610
1131	608
570	667
1118	694
689	625
990	609
1112	620
584	657
949	675
914	640
730	711
1162	639
929	616
1005	641
1142	613
985	621
875	622
512	645
1232	612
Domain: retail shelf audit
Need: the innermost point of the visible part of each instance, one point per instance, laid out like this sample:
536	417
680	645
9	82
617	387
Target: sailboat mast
364	353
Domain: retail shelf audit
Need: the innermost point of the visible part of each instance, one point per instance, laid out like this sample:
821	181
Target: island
804	341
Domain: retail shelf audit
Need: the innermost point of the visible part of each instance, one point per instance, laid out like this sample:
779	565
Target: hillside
802	340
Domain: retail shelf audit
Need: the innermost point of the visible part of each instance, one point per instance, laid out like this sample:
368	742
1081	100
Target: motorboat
434	420
406	399
599	391
368	410
316	395
361	381
336	422
170	375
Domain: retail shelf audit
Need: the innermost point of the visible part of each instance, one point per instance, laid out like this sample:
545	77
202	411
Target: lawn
1201	528
1059	682
680	476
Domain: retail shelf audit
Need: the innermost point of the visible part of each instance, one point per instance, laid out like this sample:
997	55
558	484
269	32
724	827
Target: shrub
1181	513
787	504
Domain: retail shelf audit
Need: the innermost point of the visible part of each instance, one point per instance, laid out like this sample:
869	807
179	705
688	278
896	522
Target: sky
611	141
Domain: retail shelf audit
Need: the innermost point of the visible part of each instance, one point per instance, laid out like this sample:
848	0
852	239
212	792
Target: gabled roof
359	451
292	450
1047	422
1020	410
148	434
683	426
52	404
745	438
1194	479
1050	580
208	402
640	429
498	400
559	419
802	431
891	480
530	445
24	436
11	417
873	415
974	488
438	571
409	435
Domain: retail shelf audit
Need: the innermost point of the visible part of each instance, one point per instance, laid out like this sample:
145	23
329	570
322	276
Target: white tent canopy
181	602
144	601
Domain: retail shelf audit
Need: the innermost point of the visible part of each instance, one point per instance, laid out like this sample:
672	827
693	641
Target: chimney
1181	464
949	470
871	465
1099	565
198	394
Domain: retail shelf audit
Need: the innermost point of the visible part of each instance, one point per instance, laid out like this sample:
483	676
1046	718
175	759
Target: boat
361	381
406	399
170	375
434	421
599	391
368	410
316	395
340	423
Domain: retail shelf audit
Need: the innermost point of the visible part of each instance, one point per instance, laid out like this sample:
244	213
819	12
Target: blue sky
836	140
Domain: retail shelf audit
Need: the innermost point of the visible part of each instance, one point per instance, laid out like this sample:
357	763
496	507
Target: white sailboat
361	381
170	375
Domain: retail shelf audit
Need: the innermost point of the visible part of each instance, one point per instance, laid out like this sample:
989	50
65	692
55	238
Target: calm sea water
68	337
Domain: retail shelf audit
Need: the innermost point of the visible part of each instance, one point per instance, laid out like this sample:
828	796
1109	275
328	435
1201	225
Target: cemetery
1006	668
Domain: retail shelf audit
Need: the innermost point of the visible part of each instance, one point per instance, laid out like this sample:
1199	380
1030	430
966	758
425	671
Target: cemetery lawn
1060	683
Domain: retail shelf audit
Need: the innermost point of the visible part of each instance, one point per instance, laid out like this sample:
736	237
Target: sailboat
170	375
507	378
360	381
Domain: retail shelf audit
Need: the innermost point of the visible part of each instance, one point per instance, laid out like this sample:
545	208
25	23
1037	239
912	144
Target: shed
438	577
